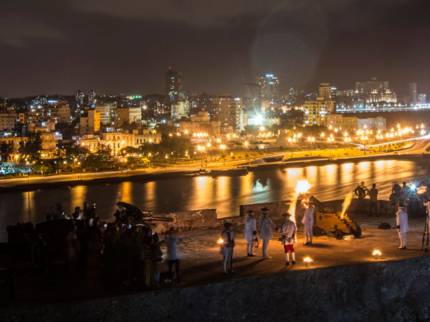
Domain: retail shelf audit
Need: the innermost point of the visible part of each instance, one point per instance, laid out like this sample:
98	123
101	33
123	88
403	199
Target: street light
222	147
329	140
201	149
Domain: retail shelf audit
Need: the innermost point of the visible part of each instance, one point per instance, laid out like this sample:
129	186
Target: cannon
329	222
132	215
334	225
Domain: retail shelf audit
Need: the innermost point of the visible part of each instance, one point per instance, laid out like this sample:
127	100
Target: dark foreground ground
201	263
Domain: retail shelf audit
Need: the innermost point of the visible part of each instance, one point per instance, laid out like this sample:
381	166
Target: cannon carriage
332	223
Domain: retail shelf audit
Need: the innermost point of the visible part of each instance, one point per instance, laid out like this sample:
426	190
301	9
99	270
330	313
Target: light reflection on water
225	194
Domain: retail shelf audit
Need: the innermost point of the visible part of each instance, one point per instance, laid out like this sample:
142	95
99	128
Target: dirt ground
201	262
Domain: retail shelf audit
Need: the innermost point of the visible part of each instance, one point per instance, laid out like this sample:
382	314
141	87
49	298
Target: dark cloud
197	13
18	31
58	46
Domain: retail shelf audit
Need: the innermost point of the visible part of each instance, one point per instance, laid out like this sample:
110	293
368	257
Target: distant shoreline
233	171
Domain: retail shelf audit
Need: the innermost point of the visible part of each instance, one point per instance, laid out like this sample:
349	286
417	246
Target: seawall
378	291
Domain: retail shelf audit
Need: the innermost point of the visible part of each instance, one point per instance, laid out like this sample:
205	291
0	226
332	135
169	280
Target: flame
346	204
220	241
421	190
302	187
307	259
376	253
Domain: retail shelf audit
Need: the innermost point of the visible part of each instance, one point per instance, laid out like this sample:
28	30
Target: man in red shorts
288	230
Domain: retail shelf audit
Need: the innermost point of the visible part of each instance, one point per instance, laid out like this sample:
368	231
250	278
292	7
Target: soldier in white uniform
308	221
250	232
288	230
227	247
265	225
402	225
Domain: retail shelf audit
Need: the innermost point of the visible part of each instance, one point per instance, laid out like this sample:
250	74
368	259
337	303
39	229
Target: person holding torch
288	231
227	246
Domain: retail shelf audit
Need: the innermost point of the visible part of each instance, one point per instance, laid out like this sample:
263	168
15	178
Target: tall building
325	91
268	88
422	98
328	93
80	97
226	110
180	109
378	96
91	98
366	88
173	87
59	114
127	115
105	111
89	122
413	93
316	112
8	118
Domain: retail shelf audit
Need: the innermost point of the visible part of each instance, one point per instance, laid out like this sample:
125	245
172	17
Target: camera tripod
426	232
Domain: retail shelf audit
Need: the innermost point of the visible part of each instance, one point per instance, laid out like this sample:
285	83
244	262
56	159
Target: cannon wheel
338	234
316	231
356	232
36	256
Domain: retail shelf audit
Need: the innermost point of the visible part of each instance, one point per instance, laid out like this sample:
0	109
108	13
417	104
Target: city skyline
129	50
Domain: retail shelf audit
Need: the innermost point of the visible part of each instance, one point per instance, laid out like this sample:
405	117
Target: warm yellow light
307	259
376	252
246	143
302	186
220	241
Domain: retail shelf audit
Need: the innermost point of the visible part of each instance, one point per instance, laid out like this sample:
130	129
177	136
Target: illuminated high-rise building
268	88
316	112
413	93
80	97
368	87
226	110
174	87
91	98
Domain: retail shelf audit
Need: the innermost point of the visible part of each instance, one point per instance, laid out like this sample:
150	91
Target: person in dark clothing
77	213
373	203
361	192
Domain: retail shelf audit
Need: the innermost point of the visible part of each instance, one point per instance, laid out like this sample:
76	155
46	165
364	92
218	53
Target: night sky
59	46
